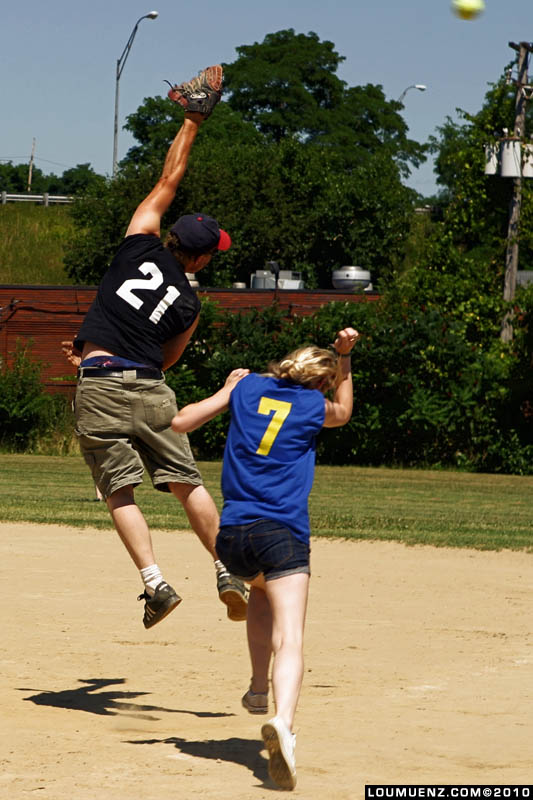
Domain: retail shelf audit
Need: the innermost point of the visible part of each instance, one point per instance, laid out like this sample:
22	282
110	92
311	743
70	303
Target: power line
37	158
57	163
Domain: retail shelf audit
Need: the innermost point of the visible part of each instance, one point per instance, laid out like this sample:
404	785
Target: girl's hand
345	340
235	376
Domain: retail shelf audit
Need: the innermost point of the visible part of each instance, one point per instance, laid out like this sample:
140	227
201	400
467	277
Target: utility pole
30	170
513	231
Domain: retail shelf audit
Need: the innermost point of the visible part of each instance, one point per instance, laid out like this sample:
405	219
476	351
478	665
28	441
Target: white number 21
126	290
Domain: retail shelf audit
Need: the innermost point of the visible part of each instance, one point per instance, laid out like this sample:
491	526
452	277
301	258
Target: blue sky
58	61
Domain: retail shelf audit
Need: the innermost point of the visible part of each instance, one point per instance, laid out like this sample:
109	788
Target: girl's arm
197	414
339	410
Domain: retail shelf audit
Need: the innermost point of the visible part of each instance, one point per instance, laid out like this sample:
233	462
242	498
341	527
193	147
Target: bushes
223	342
430	390
425	393
30	419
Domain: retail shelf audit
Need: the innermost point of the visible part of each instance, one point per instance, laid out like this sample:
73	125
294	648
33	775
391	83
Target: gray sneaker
255	702
162	603
280	743
233	594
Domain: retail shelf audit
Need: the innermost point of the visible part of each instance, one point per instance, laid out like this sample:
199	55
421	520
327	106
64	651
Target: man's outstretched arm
147	217
198	97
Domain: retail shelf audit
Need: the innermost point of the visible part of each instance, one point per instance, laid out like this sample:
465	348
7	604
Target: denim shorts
261	546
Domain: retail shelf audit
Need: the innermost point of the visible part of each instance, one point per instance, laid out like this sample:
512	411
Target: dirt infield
419	669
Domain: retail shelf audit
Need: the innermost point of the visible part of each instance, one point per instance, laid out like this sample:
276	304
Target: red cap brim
224	242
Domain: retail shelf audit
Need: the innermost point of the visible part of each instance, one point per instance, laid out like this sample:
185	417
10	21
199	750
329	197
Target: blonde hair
311	367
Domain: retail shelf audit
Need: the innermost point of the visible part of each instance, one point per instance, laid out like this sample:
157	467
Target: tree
155	123
286	202
77	180
74	181
101	217
476	206
367	124
296	166
287	86
14	178
302	209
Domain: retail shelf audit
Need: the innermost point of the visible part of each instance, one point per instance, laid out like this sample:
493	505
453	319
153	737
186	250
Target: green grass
439	508
444	509
32	240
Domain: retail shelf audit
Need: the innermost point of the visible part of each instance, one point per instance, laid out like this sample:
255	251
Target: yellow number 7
281	411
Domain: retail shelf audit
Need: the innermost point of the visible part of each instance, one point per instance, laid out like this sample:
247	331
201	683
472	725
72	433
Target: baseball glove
201	94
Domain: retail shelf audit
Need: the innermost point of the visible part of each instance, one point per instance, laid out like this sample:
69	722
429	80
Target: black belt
103	372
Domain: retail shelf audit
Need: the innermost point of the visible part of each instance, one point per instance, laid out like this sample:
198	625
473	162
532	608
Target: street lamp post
120	66
420	86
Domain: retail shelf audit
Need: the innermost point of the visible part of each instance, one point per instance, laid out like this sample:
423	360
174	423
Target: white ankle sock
151	577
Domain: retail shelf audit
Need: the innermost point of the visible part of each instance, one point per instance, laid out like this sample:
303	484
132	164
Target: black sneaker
232	592
162	603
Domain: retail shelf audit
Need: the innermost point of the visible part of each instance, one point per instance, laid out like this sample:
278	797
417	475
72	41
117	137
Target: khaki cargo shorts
123	426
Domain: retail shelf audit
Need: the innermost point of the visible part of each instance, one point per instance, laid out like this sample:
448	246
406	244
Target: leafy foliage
425	392
298	167
302	209
101	218
288	87
476	205
287	84
289	202
14	178
74	181
157	120
26	413
21	399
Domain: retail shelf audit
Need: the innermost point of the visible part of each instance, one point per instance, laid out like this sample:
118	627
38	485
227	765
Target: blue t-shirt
269	457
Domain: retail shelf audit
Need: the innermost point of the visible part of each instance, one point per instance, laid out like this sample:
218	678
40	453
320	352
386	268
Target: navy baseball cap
200	233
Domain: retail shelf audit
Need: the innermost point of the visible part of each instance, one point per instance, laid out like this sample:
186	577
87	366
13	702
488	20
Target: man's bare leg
201	512
203	517
160	598
131	526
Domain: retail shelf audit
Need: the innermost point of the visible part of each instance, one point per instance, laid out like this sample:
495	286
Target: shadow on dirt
244	752
91	699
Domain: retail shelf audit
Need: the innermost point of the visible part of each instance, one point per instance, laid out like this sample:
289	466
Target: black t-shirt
144	300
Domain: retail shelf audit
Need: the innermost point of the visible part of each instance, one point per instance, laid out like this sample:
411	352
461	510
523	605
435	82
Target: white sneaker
280	743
